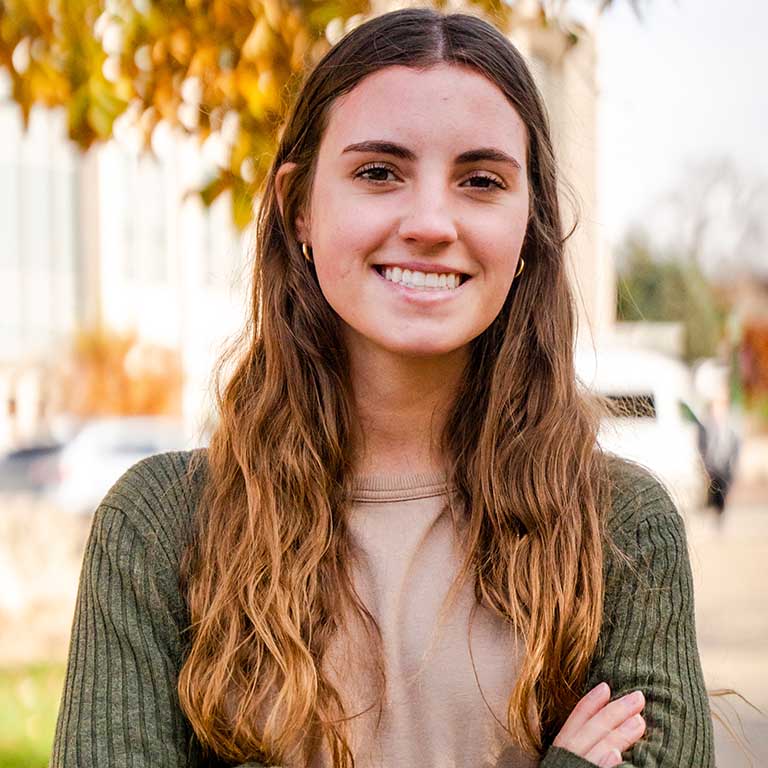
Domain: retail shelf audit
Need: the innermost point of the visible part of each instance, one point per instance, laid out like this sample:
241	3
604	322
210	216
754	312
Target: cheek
501	241
345	227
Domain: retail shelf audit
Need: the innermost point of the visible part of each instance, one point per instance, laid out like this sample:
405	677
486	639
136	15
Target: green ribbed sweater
120	706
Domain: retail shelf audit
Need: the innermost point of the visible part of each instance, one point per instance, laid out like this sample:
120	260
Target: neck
402	406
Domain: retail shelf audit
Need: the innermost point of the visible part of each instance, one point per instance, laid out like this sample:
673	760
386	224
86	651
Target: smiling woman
404	546
427	188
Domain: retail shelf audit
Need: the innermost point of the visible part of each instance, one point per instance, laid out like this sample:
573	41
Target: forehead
445	105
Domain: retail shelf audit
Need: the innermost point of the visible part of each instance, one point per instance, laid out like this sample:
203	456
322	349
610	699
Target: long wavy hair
266	577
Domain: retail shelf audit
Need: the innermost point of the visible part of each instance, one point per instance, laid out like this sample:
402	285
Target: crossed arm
648	643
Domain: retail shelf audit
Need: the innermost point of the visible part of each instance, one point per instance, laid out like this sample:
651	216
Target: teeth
422	280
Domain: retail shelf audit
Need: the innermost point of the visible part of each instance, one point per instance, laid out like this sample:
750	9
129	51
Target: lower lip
422	295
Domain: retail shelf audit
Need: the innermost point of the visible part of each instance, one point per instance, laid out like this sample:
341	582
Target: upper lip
421	266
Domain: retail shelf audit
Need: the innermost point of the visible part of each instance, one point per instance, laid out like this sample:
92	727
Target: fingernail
633	699
599	691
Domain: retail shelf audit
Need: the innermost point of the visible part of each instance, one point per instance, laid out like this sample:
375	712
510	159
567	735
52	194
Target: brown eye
378	174
484	181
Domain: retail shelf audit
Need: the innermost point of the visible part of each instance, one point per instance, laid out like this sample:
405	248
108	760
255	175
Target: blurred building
170	269
105	239
41	264
108	238
564	62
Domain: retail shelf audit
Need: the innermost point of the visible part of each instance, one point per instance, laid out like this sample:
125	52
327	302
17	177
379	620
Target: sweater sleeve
648	637
120	706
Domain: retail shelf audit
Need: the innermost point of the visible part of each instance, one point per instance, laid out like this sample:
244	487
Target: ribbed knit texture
417	486
120	706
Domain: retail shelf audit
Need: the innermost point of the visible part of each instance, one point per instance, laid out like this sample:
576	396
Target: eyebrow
403	153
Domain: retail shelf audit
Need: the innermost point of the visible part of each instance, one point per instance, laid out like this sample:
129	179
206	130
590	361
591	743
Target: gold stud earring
307	251
520	268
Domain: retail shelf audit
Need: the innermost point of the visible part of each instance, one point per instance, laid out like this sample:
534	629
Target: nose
428	220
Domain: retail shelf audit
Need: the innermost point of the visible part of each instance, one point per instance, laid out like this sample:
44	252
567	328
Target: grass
29	701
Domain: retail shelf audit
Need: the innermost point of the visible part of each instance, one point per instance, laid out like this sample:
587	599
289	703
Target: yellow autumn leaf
260	41
274	12
204	62
242	149
180	45
248	86
226	84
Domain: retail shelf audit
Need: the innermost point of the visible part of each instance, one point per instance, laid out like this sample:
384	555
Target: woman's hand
599	730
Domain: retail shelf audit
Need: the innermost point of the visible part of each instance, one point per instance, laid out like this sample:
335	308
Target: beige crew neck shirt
436	709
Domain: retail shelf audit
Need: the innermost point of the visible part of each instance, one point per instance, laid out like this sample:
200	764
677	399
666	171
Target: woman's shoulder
646	534
157	499
638	498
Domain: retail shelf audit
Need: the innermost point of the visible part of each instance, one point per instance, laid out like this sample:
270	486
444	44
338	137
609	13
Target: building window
143	214
36	205
10	249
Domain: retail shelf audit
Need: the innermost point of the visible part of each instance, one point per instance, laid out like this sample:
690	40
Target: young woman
403	546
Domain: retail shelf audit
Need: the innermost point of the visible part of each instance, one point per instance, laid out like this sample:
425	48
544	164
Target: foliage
114	374
665	288
29	701
215	68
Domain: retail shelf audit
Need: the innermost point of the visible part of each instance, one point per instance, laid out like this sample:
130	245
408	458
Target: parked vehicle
31	469
655	423
102	450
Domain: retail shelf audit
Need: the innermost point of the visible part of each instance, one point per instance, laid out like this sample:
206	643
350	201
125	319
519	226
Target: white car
656	428
102	450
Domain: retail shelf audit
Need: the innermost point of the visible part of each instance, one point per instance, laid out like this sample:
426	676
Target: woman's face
418	208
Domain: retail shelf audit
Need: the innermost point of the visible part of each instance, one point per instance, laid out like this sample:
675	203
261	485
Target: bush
669	289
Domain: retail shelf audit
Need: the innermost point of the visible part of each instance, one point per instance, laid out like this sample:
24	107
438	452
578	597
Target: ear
281	179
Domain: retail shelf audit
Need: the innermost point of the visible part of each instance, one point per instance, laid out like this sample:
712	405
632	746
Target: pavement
729	559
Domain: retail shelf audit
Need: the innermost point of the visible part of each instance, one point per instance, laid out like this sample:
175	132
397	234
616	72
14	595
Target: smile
423	281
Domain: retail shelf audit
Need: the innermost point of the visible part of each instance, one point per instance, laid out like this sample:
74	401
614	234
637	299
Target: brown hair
267	578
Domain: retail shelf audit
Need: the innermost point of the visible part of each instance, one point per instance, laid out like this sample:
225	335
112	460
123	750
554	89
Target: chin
424	347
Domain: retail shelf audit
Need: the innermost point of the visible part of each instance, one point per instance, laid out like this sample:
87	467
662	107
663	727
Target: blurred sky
686	82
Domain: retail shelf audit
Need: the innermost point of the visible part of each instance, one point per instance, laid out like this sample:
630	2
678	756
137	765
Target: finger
611	759
619	740
609	718
587	707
